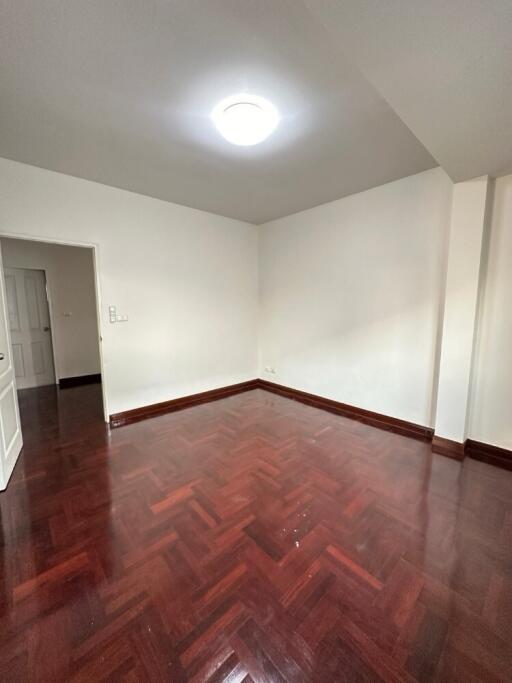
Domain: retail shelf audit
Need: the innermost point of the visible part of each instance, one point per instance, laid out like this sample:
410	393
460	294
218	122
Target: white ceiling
445	66
121	91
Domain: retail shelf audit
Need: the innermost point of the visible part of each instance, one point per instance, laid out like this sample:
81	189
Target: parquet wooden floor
248	539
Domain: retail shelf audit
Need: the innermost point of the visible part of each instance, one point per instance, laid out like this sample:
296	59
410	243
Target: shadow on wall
384	365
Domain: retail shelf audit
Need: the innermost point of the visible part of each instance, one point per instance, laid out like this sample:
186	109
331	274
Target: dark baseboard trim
392	424
452	449
66	382
366	416
129	416
500	457
493	455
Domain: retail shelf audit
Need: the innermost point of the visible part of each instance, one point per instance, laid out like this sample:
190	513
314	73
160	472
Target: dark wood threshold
129	416
452	449
493	455
369	417
66	382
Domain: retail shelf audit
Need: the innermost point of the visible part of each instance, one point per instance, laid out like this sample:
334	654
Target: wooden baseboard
500	457
386	422
452	449
129	416
493	455
366	416
66	382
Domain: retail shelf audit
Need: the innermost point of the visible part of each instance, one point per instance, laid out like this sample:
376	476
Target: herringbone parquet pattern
248	539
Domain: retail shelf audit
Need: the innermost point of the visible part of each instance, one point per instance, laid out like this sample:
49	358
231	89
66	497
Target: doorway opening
52	335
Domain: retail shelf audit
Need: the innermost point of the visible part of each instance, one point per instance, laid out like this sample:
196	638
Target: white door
29	321
10	430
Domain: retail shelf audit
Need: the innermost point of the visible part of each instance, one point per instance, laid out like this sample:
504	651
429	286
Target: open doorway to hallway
51	343
51	301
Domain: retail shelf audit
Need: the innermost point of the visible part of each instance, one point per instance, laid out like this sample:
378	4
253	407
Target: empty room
255	341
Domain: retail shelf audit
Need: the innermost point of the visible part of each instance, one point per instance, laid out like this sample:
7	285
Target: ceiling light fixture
245	119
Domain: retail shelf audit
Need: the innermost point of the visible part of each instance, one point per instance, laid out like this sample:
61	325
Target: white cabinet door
29	321
10	429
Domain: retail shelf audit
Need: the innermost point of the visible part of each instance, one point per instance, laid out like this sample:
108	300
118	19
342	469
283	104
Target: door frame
97	293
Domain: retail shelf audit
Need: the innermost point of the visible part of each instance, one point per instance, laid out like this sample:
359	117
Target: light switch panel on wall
114	317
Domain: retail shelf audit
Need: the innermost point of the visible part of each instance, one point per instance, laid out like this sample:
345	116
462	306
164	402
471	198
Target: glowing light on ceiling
245	119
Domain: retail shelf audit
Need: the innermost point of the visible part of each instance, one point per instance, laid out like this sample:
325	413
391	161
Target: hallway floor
248	539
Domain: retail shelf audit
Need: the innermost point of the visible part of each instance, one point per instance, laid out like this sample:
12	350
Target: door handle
45	329
2	356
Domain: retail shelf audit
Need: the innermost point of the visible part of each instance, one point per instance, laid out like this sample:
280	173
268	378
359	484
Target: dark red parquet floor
248	539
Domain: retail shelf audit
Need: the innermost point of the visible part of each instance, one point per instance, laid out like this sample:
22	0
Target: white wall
186	279
491	406
350	296
350	293
71	288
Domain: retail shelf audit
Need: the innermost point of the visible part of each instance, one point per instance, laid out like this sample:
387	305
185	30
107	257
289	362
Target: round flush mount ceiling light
245	119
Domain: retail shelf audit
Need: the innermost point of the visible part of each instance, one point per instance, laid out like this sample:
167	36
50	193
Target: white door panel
29	320
19	365
10	429
12	301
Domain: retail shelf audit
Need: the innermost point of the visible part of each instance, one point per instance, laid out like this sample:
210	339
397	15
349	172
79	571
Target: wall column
467	228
